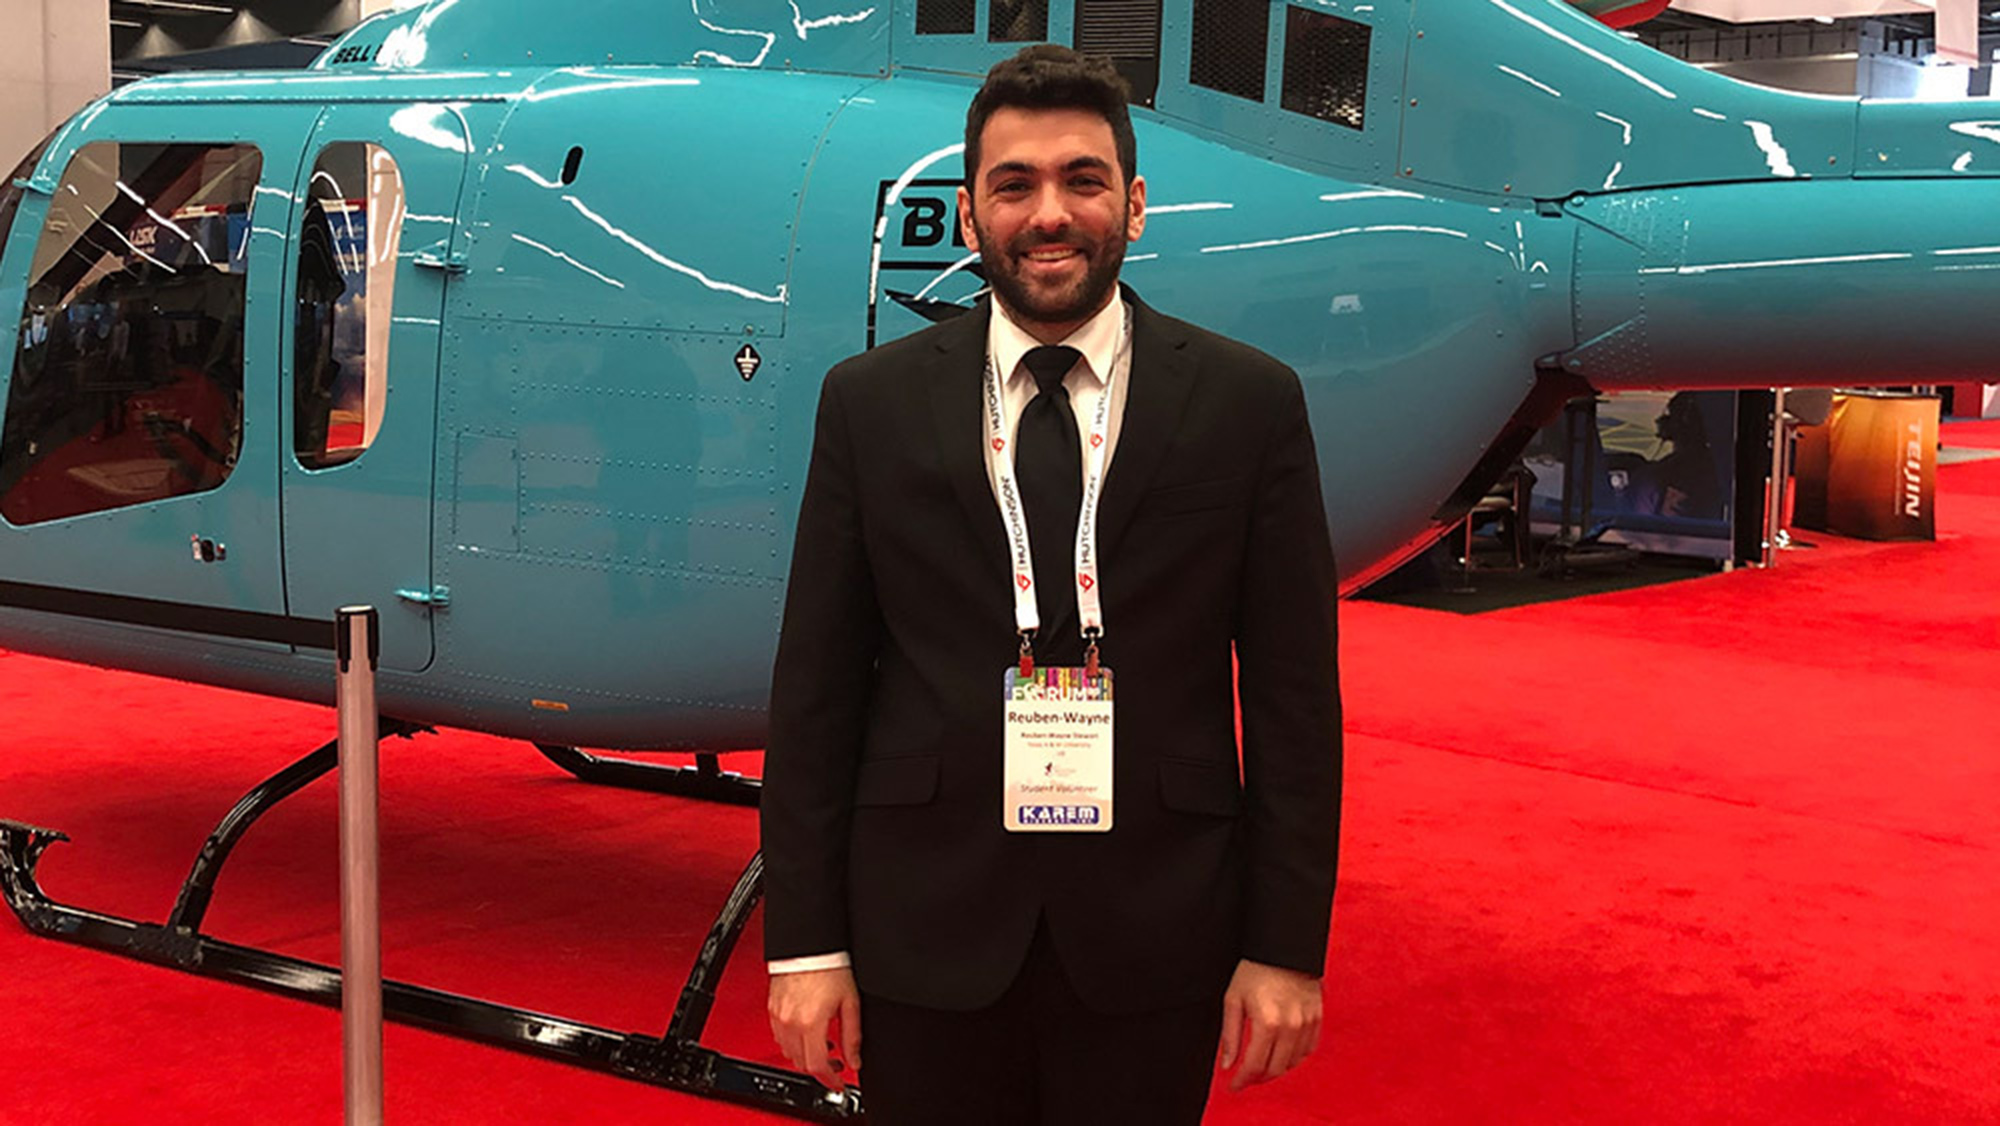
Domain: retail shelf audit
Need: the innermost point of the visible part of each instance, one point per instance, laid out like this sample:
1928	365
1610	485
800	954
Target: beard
1061	304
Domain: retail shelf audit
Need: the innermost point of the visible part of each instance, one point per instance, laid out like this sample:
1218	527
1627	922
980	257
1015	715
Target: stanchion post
1774	497
358	649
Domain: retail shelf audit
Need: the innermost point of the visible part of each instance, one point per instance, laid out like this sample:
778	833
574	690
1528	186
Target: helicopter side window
947	17
1326	67
128	370
352	228
1230	43
1017	21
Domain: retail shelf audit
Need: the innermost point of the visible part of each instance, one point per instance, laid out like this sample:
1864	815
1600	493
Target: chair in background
1505	508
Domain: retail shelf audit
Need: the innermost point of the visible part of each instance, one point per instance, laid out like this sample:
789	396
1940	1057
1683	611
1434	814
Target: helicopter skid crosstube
705	780
676	1060
1563	557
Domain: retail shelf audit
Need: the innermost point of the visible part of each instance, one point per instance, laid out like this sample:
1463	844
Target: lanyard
1089	598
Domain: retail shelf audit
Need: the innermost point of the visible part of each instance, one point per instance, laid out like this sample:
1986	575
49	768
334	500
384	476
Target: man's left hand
1282	1009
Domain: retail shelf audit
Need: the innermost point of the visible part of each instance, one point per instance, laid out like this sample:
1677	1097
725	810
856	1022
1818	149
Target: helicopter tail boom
1784	284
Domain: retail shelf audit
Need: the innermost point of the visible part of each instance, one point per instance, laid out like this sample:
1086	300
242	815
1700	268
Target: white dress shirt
1106	366
1104	363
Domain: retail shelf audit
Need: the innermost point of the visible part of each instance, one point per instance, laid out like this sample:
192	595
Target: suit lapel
1161	379
957	372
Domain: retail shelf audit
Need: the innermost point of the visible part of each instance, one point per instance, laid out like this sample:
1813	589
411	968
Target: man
982	509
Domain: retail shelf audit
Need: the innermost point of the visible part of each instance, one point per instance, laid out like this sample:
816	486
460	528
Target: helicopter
509	317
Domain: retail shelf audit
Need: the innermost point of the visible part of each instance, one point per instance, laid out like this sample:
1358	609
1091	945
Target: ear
965	226
1135	209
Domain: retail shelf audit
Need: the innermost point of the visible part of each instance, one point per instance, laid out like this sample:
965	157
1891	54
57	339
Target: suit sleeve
1288	682
819	701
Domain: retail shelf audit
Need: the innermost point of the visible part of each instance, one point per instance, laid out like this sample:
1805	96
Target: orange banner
1881	476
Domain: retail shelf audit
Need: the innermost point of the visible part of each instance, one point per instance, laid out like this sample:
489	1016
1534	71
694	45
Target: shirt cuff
838	960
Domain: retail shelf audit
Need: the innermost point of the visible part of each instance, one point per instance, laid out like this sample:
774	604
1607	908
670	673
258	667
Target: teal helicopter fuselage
632	237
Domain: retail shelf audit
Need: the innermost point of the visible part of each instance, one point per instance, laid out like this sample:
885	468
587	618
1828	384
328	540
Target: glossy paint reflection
676	217
1627	116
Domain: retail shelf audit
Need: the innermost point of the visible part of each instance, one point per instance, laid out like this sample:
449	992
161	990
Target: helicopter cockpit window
1326	67
10	192
1230	42
352	227
128	373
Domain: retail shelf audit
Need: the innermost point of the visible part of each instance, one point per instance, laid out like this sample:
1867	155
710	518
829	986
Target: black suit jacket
882	797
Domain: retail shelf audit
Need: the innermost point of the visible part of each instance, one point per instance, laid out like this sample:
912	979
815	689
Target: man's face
1050	215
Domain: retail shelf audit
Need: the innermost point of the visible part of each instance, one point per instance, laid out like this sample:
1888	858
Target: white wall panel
54	57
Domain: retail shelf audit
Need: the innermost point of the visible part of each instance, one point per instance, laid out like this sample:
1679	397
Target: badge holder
1057	746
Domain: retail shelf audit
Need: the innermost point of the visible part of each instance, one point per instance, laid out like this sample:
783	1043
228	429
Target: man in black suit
1060	477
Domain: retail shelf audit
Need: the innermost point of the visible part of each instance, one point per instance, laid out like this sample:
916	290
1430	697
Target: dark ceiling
152	36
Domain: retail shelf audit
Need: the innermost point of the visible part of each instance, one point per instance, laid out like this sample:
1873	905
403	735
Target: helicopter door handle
437	259
437	597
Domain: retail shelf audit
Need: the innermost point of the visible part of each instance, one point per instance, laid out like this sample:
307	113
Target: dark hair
1050	76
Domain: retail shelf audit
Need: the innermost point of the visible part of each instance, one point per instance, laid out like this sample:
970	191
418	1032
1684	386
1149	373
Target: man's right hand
808	1010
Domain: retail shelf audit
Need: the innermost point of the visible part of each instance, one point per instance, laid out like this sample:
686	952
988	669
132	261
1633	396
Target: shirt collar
1096	338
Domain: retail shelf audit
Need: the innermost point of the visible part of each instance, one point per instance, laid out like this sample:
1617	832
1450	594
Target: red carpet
1982	434
1717	851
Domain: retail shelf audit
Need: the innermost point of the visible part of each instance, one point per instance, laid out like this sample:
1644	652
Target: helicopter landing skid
676	1059
705	780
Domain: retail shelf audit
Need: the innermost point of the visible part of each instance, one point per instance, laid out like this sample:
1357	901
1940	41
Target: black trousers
1036	1057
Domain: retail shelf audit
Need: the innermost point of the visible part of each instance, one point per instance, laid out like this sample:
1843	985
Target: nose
1051	209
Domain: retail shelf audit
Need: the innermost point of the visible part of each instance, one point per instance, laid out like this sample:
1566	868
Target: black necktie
1048	461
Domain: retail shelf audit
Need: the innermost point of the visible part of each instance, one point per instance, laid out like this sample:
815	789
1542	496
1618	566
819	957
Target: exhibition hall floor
1722	850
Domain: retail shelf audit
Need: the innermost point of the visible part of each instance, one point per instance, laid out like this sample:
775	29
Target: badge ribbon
1089	593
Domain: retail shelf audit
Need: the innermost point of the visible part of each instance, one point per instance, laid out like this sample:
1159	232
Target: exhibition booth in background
1688	475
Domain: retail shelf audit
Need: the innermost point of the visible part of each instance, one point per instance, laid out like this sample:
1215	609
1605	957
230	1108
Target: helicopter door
372	238
138	413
